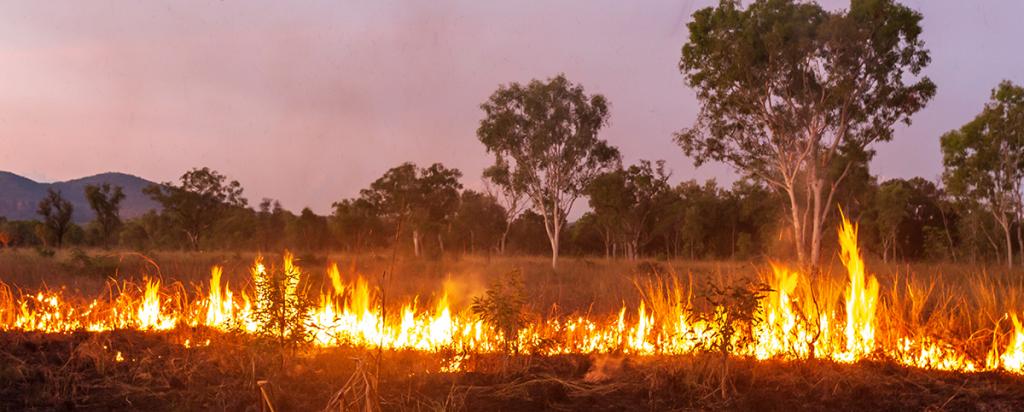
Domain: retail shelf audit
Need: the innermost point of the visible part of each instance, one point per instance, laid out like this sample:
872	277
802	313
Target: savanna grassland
154	370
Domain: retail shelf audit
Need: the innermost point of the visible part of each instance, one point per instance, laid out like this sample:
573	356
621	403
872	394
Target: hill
19	195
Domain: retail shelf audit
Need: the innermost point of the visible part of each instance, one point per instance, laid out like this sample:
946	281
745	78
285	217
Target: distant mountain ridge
20	196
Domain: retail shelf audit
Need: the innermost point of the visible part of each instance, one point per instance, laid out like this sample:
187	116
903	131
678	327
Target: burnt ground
80	372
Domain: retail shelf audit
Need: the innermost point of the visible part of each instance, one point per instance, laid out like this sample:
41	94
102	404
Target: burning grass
723	341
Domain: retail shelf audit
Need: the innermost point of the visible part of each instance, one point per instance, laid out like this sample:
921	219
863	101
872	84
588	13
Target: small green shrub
503	306
281	310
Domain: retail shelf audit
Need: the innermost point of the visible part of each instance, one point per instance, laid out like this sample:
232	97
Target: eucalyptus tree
200	201
545	135
631	199
480	222
56	213
510	193
984	160
357	224
421	199
106	202
891	203
786	86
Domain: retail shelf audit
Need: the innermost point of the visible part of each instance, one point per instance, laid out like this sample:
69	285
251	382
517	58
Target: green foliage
788	89
544	137
479	222
313	232
20	232
200	201
627	202
527	235
503	306
271	220
134	236
424	200
509	191
984	160
56	213
281	312
735	308
106	202
356	224
891	204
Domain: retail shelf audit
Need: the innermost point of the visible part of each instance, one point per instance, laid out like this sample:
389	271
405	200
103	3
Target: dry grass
962	303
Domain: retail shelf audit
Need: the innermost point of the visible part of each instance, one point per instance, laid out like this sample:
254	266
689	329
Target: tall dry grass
941	299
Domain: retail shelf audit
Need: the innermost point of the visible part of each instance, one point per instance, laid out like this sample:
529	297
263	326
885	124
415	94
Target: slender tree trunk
553	227
991	241
554	249
193	240
504	237
817	222
1005	223
949	236
798	241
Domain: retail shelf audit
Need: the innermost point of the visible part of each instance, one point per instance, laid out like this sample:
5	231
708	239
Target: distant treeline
904	219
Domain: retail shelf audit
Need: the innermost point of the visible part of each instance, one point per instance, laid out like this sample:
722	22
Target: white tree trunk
554	247
1004	222
798	239
817	222
552	226
504	238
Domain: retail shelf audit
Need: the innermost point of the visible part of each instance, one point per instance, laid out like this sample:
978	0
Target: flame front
861	297
796	321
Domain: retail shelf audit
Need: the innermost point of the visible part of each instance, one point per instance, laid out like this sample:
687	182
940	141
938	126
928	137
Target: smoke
463	287
604	367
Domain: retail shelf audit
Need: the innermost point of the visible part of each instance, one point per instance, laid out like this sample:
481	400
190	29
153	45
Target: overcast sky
308	102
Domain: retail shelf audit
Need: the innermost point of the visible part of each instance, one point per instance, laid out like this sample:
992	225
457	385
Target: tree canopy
544	135
202	198
984	159
422	200
786	85
106	202
56	213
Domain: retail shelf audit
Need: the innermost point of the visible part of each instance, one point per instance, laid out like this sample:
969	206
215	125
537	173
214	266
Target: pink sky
308	102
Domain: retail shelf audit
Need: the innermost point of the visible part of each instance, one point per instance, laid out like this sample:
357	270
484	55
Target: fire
1012	359
150	314
861	297
796	319
221	307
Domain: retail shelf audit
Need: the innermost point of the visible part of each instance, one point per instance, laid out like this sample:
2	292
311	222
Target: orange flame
795	323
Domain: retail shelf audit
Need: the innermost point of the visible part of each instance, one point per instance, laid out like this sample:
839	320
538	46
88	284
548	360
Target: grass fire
768	205
779	315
